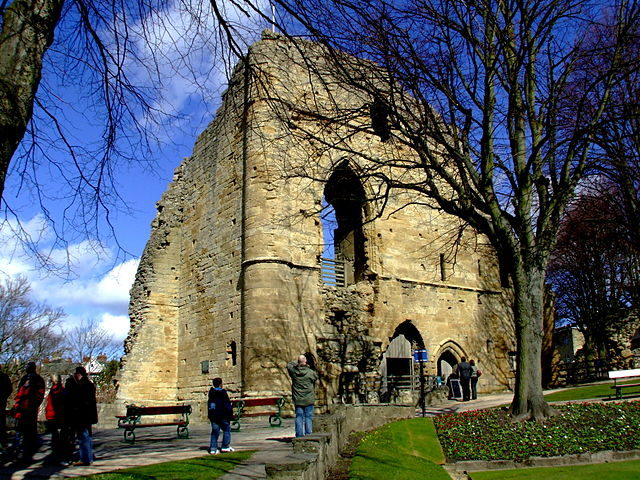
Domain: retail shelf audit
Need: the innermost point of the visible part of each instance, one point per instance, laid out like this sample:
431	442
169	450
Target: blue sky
99	277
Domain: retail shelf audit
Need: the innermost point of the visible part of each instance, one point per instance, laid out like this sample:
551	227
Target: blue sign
420	356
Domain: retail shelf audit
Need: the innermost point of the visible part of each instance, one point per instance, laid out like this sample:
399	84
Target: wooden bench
132	420
246	407
623	374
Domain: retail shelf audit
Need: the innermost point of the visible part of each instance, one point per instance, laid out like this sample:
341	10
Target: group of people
220	410
467	373
70	411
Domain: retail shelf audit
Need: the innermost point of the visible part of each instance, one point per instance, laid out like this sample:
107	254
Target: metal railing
332	272
357	388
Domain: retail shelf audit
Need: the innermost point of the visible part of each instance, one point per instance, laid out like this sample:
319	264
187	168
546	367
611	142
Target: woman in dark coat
81	412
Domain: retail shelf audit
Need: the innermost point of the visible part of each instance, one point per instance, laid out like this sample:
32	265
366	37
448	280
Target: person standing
475	373
81	412
220	413
54	413
5	391
303	395
464	373
30	394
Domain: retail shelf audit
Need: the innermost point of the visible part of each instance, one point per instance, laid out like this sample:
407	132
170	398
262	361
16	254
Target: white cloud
116	325
108	291
181	50
98	288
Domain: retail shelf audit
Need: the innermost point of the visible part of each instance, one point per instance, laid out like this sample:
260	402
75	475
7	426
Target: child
220	414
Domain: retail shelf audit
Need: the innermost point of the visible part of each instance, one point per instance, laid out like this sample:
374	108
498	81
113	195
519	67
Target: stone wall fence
313	456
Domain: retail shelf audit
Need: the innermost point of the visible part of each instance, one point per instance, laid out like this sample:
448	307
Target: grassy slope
390	452
586	392
407	449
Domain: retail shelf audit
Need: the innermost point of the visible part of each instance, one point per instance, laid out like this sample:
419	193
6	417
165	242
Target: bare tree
591	269
29	331
82	96
618	147
498	103
89	340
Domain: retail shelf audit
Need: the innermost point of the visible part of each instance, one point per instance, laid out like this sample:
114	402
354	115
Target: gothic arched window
345	200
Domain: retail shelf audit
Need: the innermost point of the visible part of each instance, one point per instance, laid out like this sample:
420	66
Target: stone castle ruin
272	241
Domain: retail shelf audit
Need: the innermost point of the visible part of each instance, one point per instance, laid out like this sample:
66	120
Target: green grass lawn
403	450
587	392
411	449
198	468
601	471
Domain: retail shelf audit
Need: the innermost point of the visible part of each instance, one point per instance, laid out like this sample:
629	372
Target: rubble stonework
230	283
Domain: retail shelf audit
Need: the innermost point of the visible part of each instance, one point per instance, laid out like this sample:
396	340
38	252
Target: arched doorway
446	361
448	356
397	366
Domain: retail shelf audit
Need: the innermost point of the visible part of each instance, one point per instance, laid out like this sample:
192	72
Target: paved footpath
156	445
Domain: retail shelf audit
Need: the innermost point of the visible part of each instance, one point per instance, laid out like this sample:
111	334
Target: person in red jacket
25	410
54	413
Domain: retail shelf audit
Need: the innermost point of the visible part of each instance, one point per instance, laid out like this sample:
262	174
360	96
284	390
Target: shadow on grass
403	450
198	468
602	471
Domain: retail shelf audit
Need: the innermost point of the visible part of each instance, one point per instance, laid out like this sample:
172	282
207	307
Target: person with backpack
220	413
464	373
475	373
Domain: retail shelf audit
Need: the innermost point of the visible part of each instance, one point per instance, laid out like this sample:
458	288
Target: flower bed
579	428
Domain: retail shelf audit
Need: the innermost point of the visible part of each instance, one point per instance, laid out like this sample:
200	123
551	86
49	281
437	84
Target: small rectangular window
204	366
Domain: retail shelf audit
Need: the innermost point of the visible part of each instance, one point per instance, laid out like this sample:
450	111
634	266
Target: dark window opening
379	112
204	366
232	352
345	195
504	267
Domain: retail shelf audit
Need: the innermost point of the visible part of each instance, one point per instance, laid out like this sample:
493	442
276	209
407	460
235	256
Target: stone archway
448	356
446	361
397	367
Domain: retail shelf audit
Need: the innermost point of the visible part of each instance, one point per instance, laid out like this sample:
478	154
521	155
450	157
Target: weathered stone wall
234	254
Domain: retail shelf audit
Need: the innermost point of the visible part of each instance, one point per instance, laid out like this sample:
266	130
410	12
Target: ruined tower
270	242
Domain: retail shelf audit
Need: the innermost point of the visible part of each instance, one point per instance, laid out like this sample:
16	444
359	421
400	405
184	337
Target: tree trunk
528	400
27	32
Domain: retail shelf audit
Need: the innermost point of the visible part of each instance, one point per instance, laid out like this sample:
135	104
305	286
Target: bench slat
240	406
625	373
129	422
143	425
161	410
259	402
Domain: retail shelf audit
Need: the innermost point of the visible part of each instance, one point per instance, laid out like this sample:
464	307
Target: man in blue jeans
303	381
220	413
